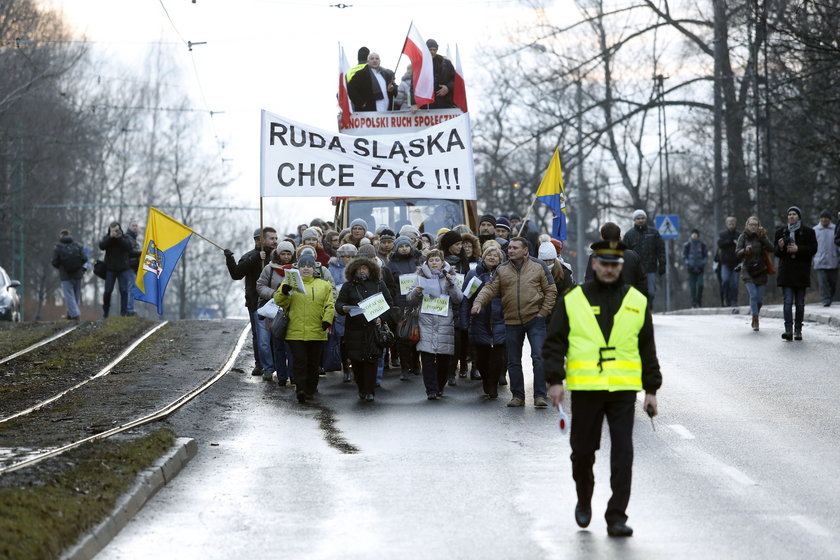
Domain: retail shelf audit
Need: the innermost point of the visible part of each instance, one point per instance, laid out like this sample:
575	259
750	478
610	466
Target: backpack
71	257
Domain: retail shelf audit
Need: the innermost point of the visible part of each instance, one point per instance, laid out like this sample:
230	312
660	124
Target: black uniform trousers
588	411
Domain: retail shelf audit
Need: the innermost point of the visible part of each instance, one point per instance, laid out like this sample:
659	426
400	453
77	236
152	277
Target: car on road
9	298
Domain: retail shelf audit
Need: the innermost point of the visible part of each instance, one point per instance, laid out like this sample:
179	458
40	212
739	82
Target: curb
147	484
745	310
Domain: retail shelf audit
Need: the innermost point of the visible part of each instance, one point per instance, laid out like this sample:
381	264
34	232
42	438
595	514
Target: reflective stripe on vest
591	363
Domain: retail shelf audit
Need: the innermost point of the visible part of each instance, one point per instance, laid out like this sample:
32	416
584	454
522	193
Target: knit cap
402	240
347	250
310	233
285	246
306	260
503	222
547	251
409	230
367	251
639	213
358	222
795	209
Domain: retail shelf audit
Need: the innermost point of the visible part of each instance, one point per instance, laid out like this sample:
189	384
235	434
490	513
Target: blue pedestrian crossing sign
668	226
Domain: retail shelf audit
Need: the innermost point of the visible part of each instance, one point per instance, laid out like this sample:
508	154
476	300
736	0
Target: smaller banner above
300	160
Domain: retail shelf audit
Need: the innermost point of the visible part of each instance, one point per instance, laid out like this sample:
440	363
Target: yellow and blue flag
552	194
165	240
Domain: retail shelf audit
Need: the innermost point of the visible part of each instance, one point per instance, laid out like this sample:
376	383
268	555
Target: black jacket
134	256
727	242
795	268
608	297
358	333
117	252
249	267
64	241
360	89
650	247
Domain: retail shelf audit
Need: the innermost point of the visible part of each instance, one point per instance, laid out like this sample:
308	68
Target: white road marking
810	525
682	431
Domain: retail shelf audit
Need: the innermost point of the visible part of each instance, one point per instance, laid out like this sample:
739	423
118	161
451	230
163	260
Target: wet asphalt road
743	464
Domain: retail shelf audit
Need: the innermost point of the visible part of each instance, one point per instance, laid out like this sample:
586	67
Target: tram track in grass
54	364
163	374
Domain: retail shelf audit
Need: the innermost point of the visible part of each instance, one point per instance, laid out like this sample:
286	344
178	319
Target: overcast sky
281	56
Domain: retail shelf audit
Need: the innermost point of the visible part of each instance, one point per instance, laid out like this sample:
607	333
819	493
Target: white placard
300	160
374	306
435	306
294	279
269	310
407	283
460	279
472	286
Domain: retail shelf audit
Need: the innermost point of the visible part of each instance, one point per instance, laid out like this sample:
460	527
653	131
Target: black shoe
797	336
431	396
361	396
301	397
282	382
503	381
404	376
475	376
493	397
369	397
583	514
787	336
257	370
619	530
451	381
346	377
440	394
462	373
321	372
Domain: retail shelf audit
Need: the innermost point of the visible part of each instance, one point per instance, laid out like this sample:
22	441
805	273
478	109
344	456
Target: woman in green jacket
310	315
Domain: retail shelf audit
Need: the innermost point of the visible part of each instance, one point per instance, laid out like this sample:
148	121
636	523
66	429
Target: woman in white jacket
438	295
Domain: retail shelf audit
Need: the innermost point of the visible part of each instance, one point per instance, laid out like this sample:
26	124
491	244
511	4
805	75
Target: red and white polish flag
459	93
343	97
421	66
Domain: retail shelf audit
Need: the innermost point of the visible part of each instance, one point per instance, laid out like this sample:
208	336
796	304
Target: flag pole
399	58
525	219
208	241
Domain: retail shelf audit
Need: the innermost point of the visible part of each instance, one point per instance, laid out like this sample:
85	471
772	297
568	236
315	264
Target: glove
325	325
228	254
286	289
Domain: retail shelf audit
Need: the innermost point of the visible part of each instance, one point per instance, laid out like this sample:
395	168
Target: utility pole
579	218
719	20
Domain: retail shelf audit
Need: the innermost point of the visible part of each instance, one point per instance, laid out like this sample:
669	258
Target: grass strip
44	518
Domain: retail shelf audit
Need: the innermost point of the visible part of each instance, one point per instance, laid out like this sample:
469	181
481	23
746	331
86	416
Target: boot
755	322
346	376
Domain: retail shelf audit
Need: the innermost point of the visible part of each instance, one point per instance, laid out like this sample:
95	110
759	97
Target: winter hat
825	214
402	240
386	234
307	251
310	233
431	43
367	251
547	251
364	241
795	209
358	222
257	232
409	230
488	218
285	246
638	213
503	222
306	259
347	250
449	239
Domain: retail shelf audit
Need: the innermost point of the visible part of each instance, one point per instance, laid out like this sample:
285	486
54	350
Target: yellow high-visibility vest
591	363
350	73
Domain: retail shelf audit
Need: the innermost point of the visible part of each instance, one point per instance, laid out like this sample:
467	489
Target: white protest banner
407	283
374	306
294	280
435	306
301	160
472	286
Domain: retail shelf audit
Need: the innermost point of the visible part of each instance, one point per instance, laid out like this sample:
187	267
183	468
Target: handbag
768	260
280	324
408	327
99	269
384	336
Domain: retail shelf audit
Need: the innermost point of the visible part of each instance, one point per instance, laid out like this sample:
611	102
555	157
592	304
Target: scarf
794	227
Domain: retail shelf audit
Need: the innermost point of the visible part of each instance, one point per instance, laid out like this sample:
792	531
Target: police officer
604	331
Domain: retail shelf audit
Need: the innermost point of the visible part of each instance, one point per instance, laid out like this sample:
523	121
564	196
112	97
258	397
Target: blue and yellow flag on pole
165	241
552	194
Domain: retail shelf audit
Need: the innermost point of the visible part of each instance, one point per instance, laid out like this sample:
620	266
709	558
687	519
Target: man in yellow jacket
604	332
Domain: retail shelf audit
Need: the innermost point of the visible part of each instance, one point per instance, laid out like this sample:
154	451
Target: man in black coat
795	246
727	241
117	247
372	88
632	272
648	244
249	267
444	74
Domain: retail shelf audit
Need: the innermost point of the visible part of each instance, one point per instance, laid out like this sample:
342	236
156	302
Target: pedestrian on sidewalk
727	242
603	332
648	243
753	249
795	246
695	256
825	261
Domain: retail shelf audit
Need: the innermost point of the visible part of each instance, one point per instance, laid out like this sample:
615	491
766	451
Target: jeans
122	279
380	366
695	288
794	296
756	297
71	291
515	337
729	285
255	326
652	277
827	280
282	356
263	344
